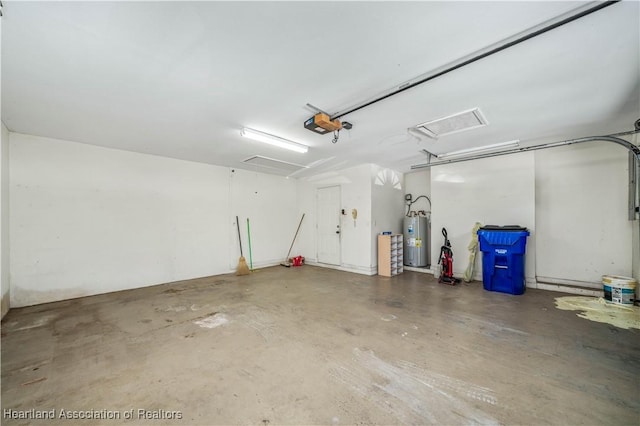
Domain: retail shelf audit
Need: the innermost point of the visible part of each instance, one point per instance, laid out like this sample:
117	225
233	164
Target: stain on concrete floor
317	346
599	310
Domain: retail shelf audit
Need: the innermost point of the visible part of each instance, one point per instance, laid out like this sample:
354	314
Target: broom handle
249	234
295	236
239	238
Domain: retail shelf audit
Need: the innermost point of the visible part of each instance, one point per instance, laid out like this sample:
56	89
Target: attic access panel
455	123
273	164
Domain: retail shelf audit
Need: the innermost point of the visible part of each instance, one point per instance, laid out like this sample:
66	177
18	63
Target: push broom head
243	268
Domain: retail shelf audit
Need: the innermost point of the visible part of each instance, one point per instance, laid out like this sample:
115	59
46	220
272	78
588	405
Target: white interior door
329	225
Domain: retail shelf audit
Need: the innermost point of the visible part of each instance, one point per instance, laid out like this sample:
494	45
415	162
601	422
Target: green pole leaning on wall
250	256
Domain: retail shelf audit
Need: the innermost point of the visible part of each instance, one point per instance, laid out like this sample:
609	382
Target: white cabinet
390	255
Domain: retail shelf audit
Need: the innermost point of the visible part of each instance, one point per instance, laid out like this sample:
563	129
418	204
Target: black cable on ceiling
497	49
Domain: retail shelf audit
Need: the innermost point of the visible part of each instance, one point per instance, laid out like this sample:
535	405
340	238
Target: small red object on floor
297	261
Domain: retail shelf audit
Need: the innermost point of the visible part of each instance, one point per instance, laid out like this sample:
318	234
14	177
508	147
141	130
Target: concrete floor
318	346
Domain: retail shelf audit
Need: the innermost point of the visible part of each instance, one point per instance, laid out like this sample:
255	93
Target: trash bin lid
503	228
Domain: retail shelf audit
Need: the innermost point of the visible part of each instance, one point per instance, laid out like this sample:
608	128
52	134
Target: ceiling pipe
631	147
634	162
488	51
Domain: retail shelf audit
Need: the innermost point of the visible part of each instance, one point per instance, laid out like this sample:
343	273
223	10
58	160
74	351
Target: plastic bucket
619	289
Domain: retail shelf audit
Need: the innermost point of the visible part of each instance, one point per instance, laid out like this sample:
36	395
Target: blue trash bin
503	249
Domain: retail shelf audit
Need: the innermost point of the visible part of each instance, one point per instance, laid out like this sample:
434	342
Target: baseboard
4	304
362	270
584	288
529	282
571	283
257	265
267	263
569	289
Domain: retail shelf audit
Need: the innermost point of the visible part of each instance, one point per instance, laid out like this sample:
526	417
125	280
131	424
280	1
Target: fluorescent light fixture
273	140
509	144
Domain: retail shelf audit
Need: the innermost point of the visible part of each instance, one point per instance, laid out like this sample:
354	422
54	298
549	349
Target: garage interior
152	150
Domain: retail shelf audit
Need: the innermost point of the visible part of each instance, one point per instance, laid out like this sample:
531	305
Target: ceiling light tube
273	140
509	144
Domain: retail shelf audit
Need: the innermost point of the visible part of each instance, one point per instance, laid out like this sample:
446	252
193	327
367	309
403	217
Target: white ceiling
180	79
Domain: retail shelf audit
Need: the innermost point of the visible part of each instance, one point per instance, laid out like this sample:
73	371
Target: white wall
269	202
4	208
367	188
636	252
4	219
88	220
635	231
572	199
583	231
492	191
355	192
355	238
387	199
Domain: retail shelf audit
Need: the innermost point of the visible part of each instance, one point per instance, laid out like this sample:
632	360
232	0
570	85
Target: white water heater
416	241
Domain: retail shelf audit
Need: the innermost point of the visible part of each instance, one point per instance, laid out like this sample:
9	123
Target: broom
286	260
242	269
